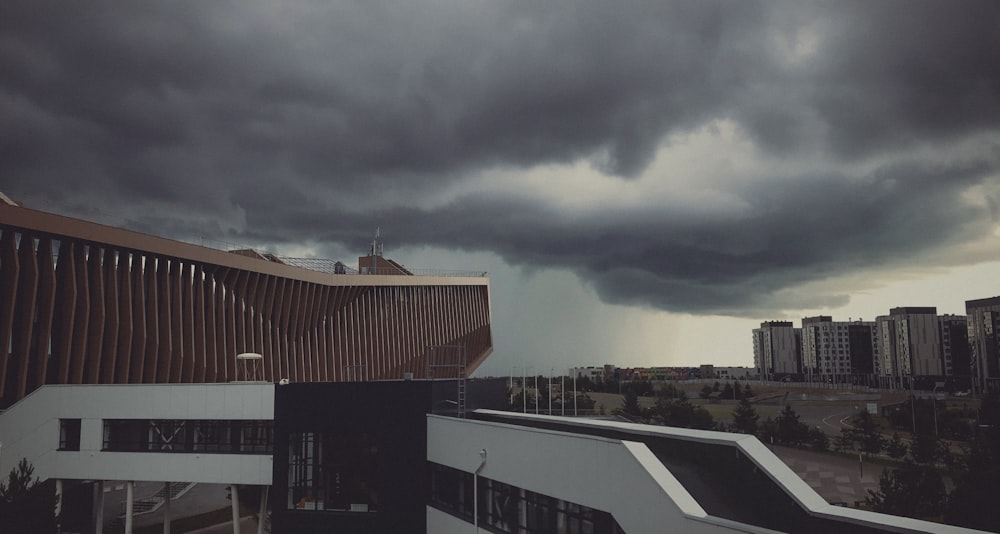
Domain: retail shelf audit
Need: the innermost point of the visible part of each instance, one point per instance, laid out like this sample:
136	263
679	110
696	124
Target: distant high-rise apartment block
983	317
954	333
910	342
776	349
836	350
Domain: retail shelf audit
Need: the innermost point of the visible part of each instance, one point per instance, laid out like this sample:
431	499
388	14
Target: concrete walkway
838	479
248	525
201	498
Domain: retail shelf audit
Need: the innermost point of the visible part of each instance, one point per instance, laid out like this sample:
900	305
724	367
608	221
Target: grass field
722	412
818	407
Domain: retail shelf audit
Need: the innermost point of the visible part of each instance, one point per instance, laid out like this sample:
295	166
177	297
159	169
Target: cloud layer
692	156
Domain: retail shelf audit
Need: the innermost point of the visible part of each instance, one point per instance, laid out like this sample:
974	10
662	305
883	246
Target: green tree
895	448
745	418
681	413
643	387
818	440
610	385
631	403
790	429
925	449
912	490
866	431
920	409
747	391
727	391
669	391
768	431
972	503
701	419
26	506
705	391
583	402
844	441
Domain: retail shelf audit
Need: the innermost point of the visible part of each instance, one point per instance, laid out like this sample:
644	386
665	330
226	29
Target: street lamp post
524	389
549	388
510	386
934	407
575	394
536	394
934	400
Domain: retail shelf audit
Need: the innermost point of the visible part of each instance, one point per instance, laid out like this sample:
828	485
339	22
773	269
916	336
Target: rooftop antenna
252	367
376	246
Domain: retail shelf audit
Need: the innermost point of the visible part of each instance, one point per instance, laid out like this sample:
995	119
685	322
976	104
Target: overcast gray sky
646	181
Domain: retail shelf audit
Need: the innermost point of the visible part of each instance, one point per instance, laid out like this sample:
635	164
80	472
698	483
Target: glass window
69	434
160	435
125	435
333	471
498	507
211	436
301	468
508	509
451	489
255	436
166	435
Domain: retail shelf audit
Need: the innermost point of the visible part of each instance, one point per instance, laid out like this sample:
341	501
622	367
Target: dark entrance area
352	457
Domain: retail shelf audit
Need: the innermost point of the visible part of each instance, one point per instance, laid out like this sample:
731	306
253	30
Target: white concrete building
493	471
196	433
594	374
525	471
735	373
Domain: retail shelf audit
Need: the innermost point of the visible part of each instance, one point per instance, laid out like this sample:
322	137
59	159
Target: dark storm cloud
808	230
291	121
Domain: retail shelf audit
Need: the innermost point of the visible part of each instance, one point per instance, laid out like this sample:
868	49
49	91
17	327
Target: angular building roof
85	303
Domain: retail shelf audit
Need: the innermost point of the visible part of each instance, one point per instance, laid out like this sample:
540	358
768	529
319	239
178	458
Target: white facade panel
30	429
215	403
622	478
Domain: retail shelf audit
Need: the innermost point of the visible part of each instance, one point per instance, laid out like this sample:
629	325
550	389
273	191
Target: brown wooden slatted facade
86	303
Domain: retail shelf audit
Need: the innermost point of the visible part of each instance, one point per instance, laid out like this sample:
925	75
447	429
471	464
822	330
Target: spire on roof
376	247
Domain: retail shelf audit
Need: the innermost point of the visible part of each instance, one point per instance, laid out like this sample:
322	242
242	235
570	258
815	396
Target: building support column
263	509
129	503
166	508
234	489
59	495
99	507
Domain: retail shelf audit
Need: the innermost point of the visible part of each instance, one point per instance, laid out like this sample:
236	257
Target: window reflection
332	471
508	509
